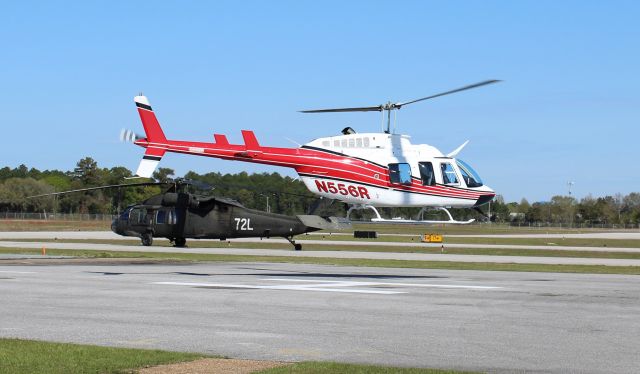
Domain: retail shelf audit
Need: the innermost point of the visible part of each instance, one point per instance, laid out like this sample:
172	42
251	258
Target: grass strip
19	356
363	247
450	265
313	367
550	242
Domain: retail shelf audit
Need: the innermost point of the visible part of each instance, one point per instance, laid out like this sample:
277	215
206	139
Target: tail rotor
129	136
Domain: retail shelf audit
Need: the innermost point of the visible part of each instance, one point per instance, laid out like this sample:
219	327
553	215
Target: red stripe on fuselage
310	161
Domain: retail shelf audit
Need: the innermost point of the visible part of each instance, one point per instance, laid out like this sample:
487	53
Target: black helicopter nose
484	199
114	226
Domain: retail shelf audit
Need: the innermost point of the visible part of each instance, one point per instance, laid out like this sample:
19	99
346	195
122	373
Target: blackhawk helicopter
364	170
178	216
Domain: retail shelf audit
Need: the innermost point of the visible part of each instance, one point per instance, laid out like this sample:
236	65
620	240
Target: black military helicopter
178	215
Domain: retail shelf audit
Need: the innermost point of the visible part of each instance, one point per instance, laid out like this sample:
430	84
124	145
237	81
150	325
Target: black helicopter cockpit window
400	173
449	175
426	173
471	178
138	215
124	216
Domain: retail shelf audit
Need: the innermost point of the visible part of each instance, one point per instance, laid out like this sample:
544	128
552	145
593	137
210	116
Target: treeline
276	193
18	184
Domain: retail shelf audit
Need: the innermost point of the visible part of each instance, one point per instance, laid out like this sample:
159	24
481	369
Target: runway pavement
500	322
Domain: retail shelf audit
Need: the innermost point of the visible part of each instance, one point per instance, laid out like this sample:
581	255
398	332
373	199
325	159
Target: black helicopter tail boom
325	223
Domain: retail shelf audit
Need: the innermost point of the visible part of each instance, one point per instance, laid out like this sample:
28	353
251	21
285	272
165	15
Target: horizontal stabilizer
325	223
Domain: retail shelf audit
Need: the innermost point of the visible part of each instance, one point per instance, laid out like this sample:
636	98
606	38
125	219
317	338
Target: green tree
163	175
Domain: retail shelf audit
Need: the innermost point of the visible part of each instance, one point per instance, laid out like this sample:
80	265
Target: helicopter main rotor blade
98	188
392	106
475	85
378	108
196	183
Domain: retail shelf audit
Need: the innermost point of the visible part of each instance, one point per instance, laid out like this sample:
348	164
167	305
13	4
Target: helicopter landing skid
364	206
379	219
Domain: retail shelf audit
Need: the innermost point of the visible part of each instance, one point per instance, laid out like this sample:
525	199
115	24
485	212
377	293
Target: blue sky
568	109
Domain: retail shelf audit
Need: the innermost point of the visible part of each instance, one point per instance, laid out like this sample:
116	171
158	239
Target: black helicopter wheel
179	242
147	239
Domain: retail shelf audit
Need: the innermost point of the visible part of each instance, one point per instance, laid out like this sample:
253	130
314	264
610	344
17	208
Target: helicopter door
138	218
427	174
165	219
400	173
449	175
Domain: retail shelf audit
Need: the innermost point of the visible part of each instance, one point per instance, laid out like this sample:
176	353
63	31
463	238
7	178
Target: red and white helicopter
364	170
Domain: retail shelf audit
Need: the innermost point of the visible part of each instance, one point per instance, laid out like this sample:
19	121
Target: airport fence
580	225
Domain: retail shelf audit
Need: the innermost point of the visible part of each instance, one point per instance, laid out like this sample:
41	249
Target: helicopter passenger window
344	143
426	173
400	173
336	143
359	142
366	142
352	143
448	174
161	217
171	219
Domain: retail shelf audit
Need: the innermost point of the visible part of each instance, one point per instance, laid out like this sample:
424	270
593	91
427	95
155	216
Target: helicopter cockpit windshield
124	216
470	176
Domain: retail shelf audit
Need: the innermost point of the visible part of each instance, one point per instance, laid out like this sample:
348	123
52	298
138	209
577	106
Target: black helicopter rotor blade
475	85
196	183
378	108
101	188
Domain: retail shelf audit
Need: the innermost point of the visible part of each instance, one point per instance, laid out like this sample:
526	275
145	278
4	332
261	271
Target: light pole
570	184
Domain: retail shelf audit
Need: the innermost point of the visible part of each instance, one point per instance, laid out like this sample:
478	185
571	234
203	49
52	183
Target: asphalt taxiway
46	237
501	322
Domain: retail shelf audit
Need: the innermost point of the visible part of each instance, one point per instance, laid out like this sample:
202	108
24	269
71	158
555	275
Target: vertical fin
221	139
149	121
153	154
250	140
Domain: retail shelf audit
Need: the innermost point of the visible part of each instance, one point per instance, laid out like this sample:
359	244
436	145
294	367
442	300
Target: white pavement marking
17	272
322	287
347	284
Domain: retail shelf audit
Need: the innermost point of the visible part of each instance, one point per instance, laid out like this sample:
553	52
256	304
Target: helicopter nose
114	225
485	198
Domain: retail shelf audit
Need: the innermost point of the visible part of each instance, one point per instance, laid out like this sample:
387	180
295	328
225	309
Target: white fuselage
370	183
